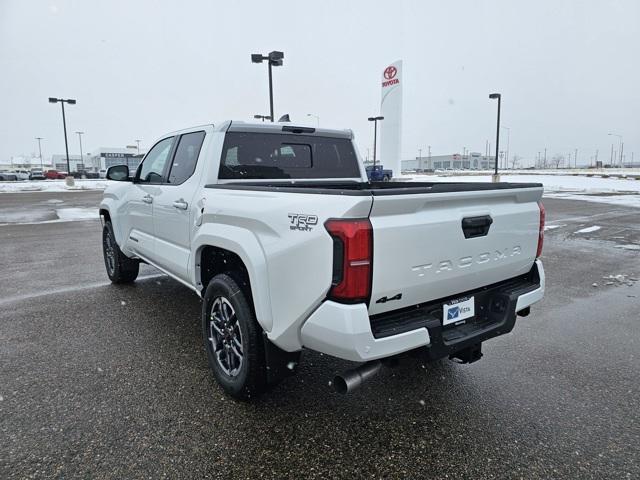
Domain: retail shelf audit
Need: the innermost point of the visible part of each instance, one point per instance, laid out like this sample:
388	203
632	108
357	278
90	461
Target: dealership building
100	159
470	161
103	158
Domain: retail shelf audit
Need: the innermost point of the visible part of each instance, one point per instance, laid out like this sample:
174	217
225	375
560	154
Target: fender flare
246	246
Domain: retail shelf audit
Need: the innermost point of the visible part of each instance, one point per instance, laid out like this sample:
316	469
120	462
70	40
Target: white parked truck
277	229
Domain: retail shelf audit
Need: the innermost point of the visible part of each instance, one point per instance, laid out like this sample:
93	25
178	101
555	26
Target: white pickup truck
289	246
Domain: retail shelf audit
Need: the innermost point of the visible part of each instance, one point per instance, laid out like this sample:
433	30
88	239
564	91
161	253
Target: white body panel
290	270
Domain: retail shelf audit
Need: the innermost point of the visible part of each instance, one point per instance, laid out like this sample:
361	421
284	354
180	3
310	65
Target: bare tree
557	160
515	161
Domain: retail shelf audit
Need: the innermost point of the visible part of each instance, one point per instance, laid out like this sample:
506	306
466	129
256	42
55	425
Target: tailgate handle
476	226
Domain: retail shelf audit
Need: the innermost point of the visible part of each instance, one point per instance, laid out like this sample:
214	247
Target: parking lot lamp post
262	117
40	151
274	59
621	145
62	101
375	136
80	138
499	97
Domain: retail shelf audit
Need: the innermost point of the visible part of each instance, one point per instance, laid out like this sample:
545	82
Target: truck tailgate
421	252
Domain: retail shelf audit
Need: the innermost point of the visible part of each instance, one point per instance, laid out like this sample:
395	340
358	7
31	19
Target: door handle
147	198
181	204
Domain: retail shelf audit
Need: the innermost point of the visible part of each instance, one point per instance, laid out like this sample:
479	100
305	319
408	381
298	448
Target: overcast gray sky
568	70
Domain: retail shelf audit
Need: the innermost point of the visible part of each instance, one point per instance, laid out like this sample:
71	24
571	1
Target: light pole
80	138
375	121
262	117
420	159
508	129
317	117
499	97
138	144
62	101
621	145
40	152
274	59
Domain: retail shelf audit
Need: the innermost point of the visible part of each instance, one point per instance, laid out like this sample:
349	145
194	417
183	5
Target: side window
153	165
186	157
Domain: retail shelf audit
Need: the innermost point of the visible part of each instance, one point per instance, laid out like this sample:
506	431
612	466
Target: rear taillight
541	231
352	259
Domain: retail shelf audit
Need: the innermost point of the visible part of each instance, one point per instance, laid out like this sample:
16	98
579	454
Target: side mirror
119	173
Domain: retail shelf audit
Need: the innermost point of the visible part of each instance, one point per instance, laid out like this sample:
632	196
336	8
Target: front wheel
120	268
233	339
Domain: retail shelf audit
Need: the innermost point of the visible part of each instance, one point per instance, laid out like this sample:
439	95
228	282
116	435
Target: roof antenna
284	118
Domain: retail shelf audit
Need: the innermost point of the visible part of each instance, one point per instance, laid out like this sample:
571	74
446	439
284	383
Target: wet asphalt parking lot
103	381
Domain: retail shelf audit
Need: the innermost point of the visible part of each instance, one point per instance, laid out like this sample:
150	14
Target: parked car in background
6	176
21	174
36	174
54	175
102	174
378	173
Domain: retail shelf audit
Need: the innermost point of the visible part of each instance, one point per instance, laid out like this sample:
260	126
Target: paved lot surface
100	381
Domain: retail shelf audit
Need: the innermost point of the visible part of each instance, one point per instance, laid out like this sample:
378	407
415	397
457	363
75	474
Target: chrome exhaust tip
353	379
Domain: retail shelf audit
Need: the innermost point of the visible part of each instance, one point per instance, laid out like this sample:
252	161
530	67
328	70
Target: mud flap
280	363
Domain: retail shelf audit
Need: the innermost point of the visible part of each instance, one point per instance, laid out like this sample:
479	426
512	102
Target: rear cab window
261	156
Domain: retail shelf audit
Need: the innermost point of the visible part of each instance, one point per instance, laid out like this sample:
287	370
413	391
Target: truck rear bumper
347	331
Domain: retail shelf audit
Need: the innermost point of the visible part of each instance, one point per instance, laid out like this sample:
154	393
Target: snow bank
615	191
52	186
70	214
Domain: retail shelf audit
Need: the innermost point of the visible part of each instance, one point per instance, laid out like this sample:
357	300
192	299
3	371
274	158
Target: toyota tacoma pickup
289	246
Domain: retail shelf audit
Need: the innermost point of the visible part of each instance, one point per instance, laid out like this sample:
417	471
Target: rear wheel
233	339
385	178
120	268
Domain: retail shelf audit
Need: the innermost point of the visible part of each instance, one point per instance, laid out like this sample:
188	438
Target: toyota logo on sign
390	72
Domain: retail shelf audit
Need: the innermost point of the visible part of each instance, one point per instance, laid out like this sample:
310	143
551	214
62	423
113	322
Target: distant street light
317	117
375	121
621	144
508	129
138	144
40	151
499	97
274	59
62	101
80	138
262	117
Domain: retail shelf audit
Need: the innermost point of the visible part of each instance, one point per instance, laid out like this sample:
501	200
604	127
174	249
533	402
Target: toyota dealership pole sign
389	75
391	110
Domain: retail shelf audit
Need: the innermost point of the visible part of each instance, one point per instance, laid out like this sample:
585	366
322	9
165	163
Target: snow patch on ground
628	247
76	213
614	191
594	228
552	227
52	186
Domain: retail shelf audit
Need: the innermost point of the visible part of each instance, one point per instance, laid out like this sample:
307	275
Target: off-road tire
249	379
120	268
